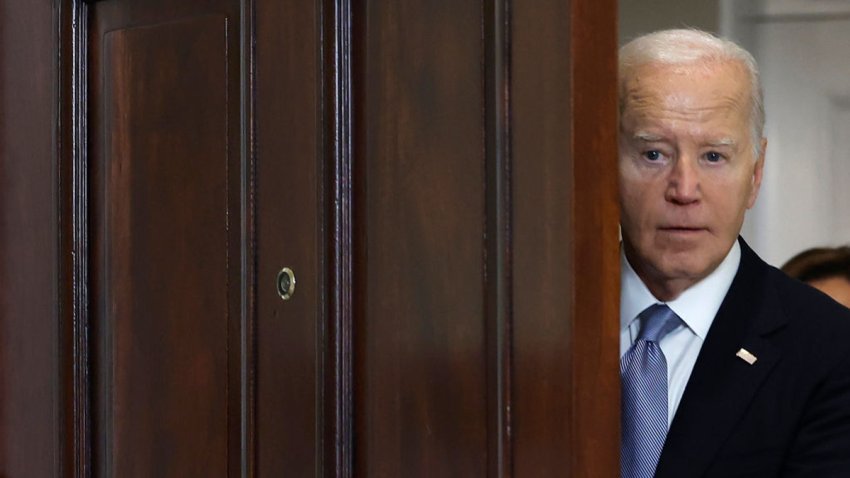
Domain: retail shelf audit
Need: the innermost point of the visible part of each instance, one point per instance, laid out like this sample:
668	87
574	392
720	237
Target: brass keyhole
286	283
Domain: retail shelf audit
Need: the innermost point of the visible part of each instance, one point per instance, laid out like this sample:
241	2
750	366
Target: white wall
801	47
644	16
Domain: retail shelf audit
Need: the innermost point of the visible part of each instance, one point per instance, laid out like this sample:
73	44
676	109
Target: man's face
687	170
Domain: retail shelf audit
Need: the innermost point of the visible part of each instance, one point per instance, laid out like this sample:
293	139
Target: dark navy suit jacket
787	414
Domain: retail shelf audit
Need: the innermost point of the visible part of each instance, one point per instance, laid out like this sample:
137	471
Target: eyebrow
647	137
723	142
654	138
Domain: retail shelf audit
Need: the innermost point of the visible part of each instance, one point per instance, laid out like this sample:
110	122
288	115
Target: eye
652	155
713	157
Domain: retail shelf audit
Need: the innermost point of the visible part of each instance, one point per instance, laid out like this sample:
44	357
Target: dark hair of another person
819	263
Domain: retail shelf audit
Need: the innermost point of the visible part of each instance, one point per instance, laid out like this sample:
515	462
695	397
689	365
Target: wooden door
31	429
168	257
485	290
297	378
439	176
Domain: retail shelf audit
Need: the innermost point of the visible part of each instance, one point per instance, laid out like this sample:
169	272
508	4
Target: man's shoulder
803	308
816	324
802	300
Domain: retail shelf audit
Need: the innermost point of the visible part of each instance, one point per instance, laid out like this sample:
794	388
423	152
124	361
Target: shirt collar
696	306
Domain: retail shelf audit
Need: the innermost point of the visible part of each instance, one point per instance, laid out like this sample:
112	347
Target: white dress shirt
696	306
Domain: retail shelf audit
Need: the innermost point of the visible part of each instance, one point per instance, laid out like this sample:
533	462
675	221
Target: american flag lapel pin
746	356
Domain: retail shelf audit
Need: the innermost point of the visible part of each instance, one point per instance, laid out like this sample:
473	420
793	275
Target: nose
683	184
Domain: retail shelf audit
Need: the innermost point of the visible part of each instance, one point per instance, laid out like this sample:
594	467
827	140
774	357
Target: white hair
688	47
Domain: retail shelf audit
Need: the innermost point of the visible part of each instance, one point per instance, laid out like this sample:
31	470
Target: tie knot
656	322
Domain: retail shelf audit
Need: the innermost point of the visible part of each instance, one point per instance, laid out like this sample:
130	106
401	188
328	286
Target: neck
665	291
662	288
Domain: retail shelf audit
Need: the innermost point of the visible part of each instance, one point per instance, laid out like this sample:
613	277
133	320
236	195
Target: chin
678	267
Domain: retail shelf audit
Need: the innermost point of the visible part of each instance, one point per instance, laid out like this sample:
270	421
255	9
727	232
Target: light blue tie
643	371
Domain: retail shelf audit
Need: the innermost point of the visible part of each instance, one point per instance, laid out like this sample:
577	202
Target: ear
758	171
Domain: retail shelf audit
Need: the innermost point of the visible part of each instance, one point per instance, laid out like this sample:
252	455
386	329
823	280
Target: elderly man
729	368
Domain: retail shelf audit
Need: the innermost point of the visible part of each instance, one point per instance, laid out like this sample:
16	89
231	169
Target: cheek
745	197
727	214
629	197
751	195
632	184
732	195
635	204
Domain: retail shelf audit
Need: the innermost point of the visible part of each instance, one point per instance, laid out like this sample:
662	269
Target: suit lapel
722	385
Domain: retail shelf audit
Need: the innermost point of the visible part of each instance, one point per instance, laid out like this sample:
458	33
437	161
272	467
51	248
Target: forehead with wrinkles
691	90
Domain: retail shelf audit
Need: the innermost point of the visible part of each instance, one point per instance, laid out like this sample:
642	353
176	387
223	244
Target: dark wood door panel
167	235
30	269
566	255
421	355
291	232
486	328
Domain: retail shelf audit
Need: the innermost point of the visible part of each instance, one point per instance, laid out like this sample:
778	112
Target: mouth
682	230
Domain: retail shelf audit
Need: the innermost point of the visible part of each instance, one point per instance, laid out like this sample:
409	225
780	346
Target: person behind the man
824	268
729	368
